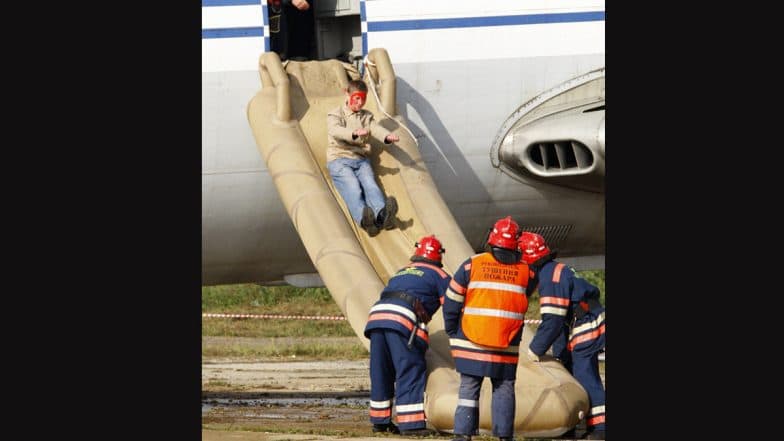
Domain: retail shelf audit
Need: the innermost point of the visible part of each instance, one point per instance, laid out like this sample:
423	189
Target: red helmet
430	248
533	247
504	234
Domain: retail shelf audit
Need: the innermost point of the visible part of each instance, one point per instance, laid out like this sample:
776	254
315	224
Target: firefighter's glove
531	356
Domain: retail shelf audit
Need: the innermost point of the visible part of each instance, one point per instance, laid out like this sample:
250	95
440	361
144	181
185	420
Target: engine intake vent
560	155
557	137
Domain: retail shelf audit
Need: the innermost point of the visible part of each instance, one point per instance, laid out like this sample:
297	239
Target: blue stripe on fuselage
229	2
474	22
436	23
232	32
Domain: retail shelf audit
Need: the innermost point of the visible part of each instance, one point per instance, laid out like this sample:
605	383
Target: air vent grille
554	235
560	155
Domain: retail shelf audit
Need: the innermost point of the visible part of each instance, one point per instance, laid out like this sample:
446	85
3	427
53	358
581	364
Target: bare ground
285	376
257	399
286	399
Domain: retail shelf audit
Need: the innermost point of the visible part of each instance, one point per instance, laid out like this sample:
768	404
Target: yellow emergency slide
288	117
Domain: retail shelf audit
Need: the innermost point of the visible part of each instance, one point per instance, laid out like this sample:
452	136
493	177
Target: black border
115	215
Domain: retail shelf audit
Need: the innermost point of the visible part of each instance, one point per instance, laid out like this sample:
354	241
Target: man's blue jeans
355	181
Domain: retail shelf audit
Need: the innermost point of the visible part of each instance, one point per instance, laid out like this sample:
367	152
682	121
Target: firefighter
397	329
484	311
572	322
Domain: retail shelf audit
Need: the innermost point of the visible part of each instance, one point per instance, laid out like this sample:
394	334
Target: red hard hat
430	248
533	247
504	234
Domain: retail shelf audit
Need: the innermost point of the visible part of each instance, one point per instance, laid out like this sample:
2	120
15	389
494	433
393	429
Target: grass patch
284	300
237	327
255	299
596	278
320	350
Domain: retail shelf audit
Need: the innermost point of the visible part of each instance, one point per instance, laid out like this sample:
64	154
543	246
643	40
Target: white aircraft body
467	72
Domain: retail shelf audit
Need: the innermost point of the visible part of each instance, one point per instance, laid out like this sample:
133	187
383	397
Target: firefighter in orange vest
484	309
397	329
572	323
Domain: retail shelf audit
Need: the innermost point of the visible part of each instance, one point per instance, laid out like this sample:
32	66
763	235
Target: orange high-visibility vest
495	301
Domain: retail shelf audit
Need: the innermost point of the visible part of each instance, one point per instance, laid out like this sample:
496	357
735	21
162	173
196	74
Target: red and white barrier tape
295	317
276	316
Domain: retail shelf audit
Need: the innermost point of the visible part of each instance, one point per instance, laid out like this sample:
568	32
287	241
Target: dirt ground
281	375
282	400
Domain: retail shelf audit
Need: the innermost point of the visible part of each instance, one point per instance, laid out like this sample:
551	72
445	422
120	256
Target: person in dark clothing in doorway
292	28
300	20
277	28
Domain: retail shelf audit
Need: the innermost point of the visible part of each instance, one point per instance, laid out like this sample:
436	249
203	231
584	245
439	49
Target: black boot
595	434
367	217
570	434
386	216
417	432
379	221
459	437
367	222
506	438
388	427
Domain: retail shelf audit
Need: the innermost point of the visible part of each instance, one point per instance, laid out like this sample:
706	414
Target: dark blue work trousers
391	361
585	369
502	406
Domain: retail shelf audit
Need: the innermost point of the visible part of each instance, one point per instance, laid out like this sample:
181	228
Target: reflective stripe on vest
557	272
586	332
495	301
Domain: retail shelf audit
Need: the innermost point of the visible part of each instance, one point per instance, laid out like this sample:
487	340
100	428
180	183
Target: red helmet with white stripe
504	234
533	247
430	248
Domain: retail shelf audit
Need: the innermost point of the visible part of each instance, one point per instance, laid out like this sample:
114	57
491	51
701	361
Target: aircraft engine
558	137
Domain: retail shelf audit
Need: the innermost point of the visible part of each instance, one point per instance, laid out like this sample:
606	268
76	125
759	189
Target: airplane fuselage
462	69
